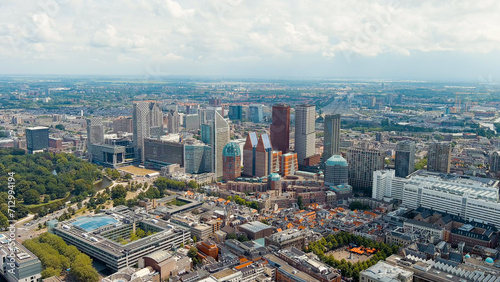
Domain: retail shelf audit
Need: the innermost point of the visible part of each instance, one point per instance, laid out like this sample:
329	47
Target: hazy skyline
340	39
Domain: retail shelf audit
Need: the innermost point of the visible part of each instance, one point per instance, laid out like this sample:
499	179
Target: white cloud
166	30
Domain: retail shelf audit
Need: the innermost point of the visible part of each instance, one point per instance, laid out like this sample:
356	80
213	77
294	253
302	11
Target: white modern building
385	272
387	185
470	199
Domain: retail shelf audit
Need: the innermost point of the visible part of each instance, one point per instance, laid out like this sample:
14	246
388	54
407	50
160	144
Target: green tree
60	127
299	202
192	184
49	272
195	239
193	252
31	197
232	236
4	221
243	238
119	202
118	192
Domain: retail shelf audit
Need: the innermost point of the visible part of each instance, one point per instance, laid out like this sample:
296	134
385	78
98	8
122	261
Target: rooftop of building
159	256
86	229
385	272
22	254
255	226
37	128
336	160
231	150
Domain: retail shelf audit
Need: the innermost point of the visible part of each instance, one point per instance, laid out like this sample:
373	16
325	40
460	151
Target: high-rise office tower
147	122
192	122
336	171
495	162
231	161
197	158
249	154
95	131
173	122
219	137
280	128
331	141
37	139
362	164
263	157
259	159
256	113
305	132
235	112
439	157
405	158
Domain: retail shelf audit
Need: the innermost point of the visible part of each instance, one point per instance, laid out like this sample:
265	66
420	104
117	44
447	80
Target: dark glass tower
280	128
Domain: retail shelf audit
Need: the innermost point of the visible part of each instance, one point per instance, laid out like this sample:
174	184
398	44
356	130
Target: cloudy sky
428	39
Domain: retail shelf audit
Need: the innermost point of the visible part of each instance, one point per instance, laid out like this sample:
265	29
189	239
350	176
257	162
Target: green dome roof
336	160
274	177
231	150
489	260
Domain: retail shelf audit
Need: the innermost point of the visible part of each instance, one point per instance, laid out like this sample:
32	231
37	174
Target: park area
343	253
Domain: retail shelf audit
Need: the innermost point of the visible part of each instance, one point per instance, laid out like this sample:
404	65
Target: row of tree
56	256
341	239
240	201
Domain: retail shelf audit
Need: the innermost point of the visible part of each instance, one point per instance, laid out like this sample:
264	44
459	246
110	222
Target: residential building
439	157
305	132
288	164
280	128
309	264
286	272
362	164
